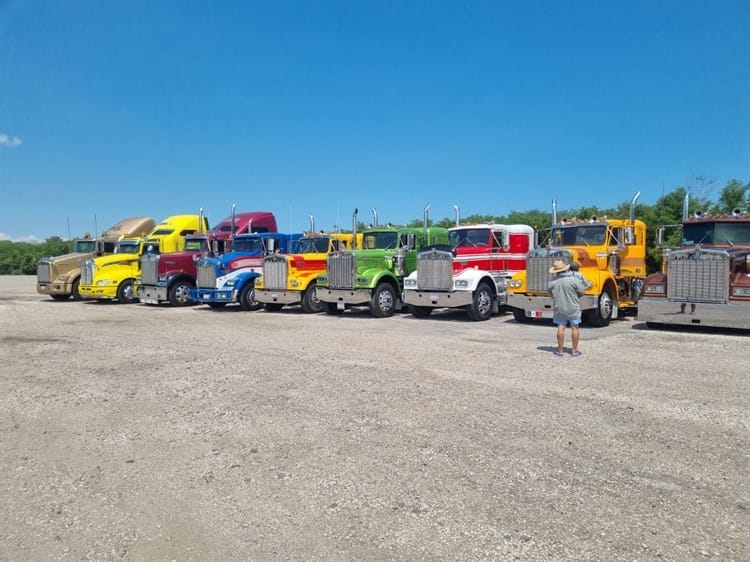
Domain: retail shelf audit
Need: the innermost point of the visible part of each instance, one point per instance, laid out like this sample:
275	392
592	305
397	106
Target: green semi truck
374	274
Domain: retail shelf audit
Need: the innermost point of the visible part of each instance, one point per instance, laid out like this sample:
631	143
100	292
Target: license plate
205	296
42	286
149	301
274	295
434	298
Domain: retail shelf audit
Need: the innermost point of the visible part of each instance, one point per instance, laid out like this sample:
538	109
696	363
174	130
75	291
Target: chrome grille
43	272
342	269
149	269
274	272
698	277
435	271
537	272
206	276
87	272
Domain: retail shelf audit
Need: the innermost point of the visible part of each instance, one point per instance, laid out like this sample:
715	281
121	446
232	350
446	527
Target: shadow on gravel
692	329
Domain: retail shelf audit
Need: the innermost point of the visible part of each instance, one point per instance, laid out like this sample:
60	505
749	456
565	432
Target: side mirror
659	236
409	241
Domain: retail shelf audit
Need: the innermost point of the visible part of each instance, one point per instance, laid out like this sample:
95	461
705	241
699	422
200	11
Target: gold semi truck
113	277
612	258
60	276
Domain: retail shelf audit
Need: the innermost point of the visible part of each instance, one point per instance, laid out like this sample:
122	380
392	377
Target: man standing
566	290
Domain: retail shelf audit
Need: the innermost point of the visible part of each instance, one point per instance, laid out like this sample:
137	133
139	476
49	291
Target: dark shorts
570	322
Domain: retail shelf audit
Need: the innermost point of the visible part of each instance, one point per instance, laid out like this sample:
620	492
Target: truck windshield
380	240
196	244
85	246
579	235
251	245
471	237
128	247
314	245
716	233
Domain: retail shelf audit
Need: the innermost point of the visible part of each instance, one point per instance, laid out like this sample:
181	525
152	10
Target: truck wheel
520	316
310	301
420	311
125	292
331	308
602	314
273	306
216	305
76	291
481	303
179	294
247	298
383	300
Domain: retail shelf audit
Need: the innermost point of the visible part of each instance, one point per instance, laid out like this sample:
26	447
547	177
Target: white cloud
10	142
28	238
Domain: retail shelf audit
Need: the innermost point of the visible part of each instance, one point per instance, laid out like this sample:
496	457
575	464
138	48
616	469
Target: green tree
733	196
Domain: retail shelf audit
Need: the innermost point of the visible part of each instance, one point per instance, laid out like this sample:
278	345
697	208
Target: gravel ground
156	433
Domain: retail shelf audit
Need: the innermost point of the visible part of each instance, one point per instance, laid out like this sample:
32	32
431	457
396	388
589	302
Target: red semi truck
170	277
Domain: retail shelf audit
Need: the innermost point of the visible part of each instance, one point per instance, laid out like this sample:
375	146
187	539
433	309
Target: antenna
96	228
68	219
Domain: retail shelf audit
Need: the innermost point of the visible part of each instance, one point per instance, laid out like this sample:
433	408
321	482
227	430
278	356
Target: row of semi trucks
482	268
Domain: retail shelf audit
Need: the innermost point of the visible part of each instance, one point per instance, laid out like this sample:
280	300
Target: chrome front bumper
663	311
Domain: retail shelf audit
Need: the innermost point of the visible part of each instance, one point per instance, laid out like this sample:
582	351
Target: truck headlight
103	282
461	283
362	280
230	283
741	291
162	279
409	282
656	289
61	279
515	284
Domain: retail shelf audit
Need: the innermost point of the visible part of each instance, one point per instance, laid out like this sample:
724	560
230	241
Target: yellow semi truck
113	277
612	258
60	276
290	279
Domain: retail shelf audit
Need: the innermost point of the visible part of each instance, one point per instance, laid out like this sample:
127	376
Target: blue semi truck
230	278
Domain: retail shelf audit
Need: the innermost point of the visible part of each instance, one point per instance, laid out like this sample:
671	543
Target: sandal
560	353
576	353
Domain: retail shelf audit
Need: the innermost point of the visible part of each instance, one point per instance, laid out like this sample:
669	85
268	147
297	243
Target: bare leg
560	337
576	333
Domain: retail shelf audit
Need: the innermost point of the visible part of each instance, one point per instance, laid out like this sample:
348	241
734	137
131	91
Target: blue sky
116	109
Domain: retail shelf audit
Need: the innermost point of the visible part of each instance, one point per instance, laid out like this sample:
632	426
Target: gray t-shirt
566	289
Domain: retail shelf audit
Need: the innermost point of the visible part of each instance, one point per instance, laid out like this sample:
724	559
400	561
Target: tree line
20	258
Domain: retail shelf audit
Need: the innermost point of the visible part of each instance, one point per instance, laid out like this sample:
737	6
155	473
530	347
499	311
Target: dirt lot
143	433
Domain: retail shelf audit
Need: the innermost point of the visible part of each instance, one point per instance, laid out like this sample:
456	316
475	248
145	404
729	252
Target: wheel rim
484	303
385	301
182	294
314	300
605	305
127	292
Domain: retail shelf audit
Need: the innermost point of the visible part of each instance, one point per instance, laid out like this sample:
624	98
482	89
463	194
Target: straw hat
559	266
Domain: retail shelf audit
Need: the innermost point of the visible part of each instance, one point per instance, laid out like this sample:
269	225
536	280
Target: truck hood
75	257
112	259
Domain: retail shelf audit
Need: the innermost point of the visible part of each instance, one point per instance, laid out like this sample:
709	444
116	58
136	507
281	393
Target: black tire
520	316
420	311
216	305
310	301
481	305
75	291
331	308
247	298
179	294
383	300
125	292
600	316
273	306
60	297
